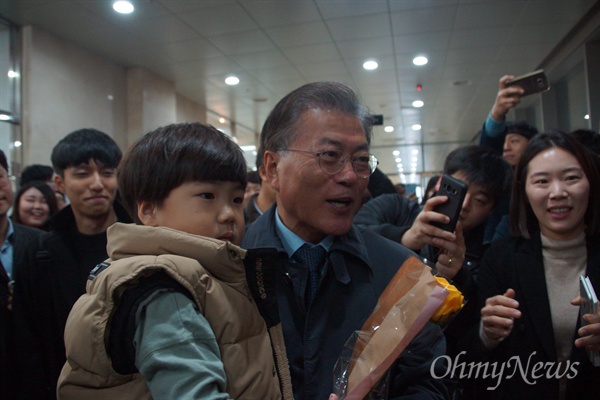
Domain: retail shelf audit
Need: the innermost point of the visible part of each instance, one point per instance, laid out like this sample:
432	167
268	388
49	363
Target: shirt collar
10	234
292	242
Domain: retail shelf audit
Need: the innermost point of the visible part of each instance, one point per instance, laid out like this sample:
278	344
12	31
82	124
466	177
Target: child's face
212	209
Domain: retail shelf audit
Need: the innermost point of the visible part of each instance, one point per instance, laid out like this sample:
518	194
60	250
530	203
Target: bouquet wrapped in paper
411	299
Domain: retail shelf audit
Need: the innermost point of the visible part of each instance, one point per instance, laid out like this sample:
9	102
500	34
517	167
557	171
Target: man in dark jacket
316	143
85	162
15	239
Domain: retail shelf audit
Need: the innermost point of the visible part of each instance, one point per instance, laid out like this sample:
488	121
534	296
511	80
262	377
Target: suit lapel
532	287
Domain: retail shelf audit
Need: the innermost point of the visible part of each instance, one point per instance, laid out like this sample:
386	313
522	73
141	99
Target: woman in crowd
35	203
530	322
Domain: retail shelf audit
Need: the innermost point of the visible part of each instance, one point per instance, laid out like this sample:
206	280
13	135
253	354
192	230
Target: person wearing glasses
329	273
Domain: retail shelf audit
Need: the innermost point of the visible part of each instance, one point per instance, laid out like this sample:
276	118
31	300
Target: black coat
517	263
45	292
359	266
24	237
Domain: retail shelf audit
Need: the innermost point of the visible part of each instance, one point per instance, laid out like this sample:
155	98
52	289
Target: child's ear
270	165
146	213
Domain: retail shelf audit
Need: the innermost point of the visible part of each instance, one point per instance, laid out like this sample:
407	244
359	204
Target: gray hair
280	127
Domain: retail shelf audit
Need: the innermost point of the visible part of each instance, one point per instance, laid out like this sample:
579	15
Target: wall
66	88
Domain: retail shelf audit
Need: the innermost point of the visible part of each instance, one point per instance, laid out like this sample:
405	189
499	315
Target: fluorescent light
420	60
4	117
389	128
248	148
232	80
418	103
370	65
123	7
416	127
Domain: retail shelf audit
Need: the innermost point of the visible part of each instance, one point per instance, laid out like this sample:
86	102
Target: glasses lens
365	165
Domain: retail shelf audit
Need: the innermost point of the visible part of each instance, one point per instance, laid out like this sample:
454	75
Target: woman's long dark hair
523	221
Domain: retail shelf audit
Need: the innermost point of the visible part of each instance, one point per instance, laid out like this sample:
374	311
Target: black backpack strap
120	347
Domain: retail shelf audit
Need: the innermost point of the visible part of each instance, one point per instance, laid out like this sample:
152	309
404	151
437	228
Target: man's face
312	203
91	188
477	206
6	193
514	146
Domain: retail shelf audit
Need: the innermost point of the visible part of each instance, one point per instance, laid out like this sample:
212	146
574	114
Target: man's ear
147	213
270	163
59	183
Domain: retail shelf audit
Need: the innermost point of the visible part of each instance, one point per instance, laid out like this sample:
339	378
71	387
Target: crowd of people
170	272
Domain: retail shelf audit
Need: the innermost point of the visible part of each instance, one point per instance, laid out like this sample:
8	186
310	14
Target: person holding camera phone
508	139
487	177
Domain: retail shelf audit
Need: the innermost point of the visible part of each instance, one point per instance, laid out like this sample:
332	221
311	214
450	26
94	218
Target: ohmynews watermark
530	372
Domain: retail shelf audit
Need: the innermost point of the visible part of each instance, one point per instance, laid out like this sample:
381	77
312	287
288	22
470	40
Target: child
170	314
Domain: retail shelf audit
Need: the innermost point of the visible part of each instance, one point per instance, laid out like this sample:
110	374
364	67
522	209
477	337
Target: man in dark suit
14	240
329	273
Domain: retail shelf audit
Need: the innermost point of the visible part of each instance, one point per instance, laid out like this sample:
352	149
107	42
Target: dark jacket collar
262	233
64	220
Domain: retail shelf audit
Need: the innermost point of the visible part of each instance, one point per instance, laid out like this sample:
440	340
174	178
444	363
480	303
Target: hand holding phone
456	191
533	82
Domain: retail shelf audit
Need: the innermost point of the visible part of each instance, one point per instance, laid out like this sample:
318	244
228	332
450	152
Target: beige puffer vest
213	272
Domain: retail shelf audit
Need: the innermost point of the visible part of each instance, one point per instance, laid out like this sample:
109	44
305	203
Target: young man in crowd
329	273
508	139
85	163
488	179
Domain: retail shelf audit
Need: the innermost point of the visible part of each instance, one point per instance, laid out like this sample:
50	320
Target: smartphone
533	82
456	191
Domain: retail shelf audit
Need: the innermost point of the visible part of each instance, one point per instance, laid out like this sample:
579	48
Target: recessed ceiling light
420	60
416	127
222	120
18	143
586	116
389	128
370	65
416	151
123	7
398	160
12	74
418	104
396	152
232	80
4	117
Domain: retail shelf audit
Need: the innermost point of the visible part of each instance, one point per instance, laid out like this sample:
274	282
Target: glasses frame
342	161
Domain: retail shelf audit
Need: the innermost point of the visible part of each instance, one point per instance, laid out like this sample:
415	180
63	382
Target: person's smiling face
312	203
558	191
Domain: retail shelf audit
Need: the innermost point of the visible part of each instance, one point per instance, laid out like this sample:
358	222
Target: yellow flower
453	303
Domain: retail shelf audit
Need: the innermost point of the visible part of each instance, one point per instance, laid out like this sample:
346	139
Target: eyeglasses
333	161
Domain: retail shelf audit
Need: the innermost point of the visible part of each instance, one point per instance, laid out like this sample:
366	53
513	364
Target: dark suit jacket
518	264
359	267
24	237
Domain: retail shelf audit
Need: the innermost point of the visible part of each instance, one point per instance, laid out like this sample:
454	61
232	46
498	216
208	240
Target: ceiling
274	46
